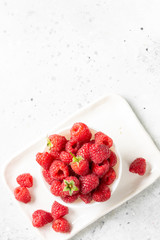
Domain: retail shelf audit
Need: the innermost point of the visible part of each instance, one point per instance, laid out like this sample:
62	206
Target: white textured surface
63	55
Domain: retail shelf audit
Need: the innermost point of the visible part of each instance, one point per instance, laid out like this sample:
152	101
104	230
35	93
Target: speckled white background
57	56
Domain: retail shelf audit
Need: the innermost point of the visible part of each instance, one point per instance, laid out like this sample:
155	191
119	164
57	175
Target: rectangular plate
113	116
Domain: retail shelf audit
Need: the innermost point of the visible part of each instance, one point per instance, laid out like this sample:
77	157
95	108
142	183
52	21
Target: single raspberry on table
138	166
41	218
72	146
58	210
61	225
65	157
59	170
47	176
112	159
101	138
44	159
56	142
87	198
79	165
70	199
88	183
109	177
80	132
100	169
84	151
56	188
99	153
22	194
25	180
70	186
102	193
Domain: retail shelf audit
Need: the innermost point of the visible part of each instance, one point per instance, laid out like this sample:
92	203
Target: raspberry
79	165
109	177
70	199
22	194
44	159
138	166
56	188
54	154
56	142
101	138
71	172
65	157
102	193
25	180
112	159
47	176
88	183
72	146
84	151
99	153
80	132
58	210
100	169
41	218
61	225
59	170
92	142
70	186
87	198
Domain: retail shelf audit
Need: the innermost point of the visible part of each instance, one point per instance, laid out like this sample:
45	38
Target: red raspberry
72	146
70	186
44	159
54	154
87	198
101	138
88	183
109	177
61	225
71	172
99	153
56	188
80	132
65	157
79	165
112	159
84	151
58	210
70	199
59	170
138	166
56	142
92	141
22	194
100	169
25	180
41	218
102	193
47	176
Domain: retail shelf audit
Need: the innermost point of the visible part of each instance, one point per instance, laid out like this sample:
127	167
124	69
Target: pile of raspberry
41	217
79	167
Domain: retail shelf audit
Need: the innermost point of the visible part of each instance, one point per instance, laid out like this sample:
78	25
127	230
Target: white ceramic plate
111	115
